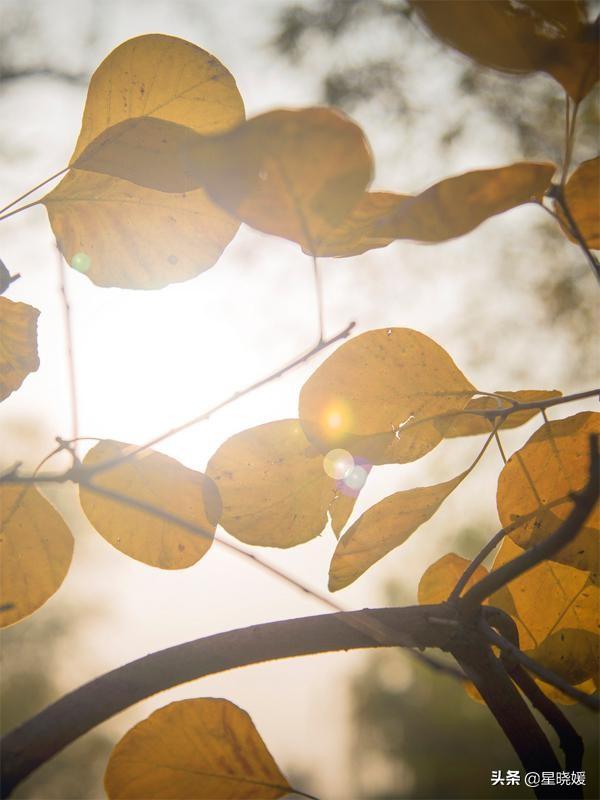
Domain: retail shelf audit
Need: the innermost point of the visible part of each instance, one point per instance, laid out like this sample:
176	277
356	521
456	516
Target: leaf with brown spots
441	577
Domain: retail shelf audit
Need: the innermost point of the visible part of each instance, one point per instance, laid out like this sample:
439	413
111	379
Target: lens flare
356	478
81	262
338	464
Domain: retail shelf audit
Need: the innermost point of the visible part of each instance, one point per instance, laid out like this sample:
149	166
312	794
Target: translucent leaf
360	397
133	237
538	479
571	653
583	200
384	527
519	38
206	749
274	486
441	577
36	548
357	232
295	174
472	425
127	235
457	205
18	344
161	482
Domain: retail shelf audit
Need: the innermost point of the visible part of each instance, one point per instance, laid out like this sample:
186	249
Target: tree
164	171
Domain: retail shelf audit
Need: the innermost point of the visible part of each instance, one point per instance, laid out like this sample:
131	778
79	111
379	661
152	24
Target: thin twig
18	210
31	191
583	503
558	194
319	292
69	350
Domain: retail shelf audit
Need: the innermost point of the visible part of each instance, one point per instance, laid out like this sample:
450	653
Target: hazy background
513	303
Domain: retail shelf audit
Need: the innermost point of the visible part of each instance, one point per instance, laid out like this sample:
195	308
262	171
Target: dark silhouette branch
558	194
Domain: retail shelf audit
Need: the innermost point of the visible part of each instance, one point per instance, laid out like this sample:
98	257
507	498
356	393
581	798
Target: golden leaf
162	482
36	548
385	526
18	344
206	749
274	486
441	577
538	479
457	205
363	394
582	197
472	425
295	174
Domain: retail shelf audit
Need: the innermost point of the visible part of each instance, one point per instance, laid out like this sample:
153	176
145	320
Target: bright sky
147	361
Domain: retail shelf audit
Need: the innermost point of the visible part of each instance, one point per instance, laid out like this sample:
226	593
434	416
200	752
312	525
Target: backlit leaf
582	197
538	479
274	487
472	425
36	548
441	577
18	344
292	173
360	397
457	205
384	527
206	749
162	482
133	237
519	38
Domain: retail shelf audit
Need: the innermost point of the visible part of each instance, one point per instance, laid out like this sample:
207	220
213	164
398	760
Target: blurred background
513	303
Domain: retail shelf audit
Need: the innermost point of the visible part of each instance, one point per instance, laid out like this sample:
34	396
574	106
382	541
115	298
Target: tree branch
37	740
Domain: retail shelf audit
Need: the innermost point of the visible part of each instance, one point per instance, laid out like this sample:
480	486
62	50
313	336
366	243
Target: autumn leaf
163	483
529	37
274	486
120	233
362	395
384	527
457	205
18	344
207	749
537	482
583	201
473	425
291	173
36	548
441	577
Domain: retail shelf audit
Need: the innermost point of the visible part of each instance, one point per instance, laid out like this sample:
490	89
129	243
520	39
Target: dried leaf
582	196
163	483
472	425
295	174
384	527
360	397
36	548
457	205
274	487
18	344
538	479
134	237
441	577
206	749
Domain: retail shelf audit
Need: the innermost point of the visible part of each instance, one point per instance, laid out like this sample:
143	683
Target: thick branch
37	740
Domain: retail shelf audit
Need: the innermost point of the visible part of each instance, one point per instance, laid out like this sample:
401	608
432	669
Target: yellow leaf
472	425
571	653
356	233
206	749
36	548
582	197
160	481
441	577
457	205
528	37
127	235
133	237
383	527
295	174
274	486
18	344
538	479
361	395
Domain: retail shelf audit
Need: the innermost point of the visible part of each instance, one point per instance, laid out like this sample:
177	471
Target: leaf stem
69	350
557	193
319	292
18	210
31	191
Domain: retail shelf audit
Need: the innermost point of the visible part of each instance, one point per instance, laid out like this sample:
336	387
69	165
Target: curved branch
37	740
